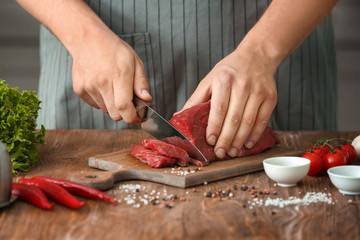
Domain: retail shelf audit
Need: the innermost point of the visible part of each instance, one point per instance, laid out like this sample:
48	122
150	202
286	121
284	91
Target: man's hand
106	71
106	74
243	95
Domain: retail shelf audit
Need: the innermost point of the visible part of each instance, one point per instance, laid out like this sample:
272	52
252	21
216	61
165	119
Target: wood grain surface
192	215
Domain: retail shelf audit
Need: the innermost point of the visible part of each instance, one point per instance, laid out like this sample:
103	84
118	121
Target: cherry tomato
340	149
334	159
321	150
316	163
351	151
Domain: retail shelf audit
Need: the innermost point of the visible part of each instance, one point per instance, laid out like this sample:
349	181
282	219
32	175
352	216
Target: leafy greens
18	114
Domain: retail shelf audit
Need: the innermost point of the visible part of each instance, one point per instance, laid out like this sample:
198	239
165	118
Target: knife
158	127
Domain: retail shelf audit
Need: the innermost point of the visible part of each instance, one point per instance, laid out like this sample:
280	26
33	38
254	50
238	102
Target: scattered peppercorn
194	189
275	185
253	187
235	187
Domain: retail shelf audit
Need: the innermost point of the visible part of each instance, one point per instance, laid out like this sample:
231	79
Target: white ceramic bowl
286	171
346	179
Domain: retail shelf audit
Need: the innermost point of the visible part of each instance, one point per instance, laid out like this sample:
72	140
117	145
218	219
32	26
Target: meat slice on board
192	123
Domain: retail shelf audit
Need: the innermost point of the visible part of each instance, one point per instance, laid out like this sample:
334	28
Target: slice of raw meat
167	150
150	157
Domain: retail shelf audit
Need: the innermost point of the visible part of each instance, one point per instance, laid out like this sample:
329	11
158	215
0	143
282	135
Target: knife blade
158	127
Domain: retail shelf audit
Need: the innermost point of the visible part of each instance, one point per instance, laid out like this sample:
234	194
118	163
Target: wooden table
197	217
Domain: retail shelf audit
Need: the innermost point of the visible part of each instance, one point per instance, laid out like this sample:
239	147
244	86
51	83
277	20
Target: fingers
245	127
141	85
220	101
263	117
123	92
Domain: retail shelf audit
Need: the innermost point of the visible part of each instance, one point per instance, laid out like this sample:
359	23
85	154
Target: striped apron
179	42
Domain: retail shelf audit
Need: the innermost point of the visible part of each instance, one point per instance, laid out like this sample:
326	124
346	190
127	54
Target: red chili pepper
79	189
31	194
54	191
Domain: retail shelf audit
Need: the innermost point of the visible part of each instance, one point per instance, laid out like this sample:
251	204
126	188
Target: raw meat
167	150
152	158
192	124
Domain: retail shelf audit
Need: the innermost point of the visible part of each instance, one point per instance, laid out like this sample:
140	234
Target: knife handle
141	108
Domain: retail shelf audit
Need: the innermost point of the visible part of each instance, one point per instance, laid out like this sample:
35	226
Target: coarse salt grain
310	197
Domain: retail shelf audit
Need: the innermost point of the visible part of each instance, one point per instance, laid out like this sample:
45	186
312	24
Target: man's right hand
107	73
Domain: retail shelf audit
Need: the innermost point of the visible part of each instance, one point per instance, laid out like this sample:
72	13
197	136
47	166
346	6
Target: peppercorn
228	189
168	206
254	191
253	187
194	189
235	187
244	187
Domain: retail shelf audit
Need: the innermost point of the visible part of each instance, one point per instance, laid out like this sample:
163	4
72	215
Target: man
240	50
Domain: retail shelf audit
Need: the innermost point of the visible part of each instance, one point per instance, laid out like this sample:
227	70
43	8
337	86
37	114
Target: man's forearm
71	21
284	26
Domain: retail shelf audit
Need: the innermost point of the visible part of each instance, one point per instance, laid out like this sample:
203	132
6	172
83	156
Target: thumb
141	85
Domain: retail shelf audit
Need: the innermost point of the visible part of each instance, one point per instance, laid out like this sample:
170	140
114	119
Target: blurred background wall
19	58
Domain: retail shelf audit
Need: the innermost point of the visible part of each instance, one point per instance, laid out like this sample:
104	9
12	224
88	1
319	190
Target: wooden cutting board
121	165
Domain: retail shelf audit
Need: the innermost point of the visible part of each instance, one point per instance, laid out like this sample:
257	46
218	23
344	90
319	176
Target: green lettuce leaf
18	114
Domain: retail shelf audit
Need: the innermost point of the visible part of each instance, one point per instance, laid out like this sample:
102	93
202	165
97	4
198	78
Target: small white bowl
346	179
287	171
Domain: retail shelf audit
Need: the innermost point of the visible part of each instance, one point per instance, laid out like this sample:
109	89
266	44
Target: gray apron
179	42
